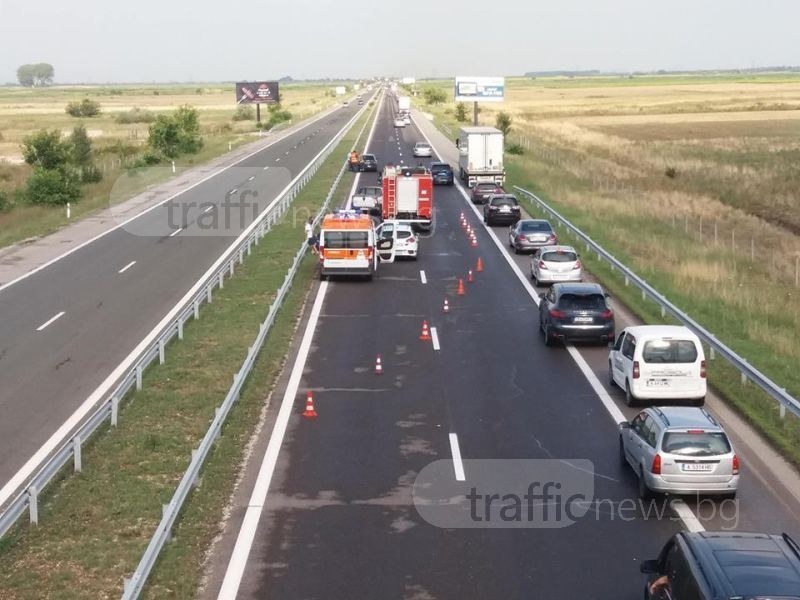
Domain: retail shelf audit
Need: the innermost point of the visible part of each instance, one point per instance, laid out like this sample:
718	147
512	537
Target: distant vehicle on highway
552	264
658	362
422	149
481	192
679	450
442	173
407	118
575	311
408	195
346	103
480	155
368	163
406	242
530	234
501	209
368	199
399	121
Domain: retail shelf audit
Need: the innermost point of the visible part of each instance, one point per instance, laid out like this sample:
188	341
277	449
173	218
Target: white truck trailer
480	155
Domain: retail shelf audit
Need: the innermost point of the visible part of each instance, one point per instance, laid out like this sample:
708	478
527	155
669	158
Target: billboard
340	90
257	92
408	80
480	89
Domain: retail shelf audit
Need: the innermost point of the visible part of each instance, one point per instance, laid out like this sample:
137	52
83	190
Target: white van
658	362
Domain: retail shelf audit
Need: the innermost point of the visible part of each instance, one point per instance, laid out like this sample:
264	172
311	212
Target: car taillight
552	237
557	314
607	314
703	369
655	468
577	264
412	240
735	465
636	369
520	238
542	265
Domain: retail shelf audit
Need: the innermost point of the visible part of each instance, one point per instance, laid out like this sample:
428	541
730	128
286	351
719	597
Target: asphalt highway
65	328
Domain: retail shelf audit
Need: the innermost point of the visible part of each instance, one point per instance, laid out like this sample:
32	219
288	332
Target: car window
669	351
402	234
559	257
650	432
618	343
551	296
582	302
542	226
705	443
486	187
682	584
504	201
346	239
629	347
637	424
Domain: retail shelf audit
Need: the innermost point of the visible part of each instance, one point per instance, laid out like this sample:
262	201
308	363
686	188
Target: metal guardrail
108	408
133	586
747	371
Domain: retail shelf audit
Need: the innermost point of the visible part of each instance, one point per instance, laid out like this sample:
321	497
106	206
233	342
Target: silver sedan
422	149
552	264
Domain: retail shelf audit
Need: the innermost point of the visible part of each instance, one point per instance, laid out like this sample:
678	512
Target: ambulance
348	245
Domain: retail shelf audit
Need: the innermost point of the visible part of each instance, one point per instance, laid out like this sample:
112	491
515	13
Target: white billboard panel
480	89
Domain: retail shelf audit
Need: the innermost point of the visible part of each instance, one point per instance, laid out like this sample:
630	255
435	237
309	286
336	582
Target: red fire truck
408	195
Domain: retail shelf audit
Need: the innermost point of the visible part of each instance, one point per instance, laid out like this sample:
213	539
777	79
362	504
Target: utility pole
475	114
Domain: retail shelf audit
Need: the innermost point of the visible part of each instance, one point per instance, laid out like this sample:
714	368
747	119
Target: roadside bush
5	203
179	133
461	112
515	149
244	112
259	125
84	108
503	122
278	115
671	172
80	146
45	149
434	95
52	186
90	174
135	115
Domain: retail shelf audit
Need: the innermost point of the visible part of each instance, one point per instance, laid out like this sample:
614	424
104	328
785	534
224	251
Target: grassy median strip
94	526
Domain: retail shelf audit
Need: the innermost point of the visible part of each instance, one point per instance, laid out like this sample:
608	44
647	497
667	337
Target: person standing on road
311	239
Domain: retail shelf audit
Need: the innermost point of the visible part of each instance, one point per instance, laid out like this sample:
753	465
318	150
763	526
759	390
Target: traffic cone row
426	334
446	306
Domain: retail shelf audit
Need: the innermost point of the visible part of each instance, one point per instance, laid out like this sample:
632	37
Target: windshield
504	201
669	351
528	226
559	257
438	168
696	444
370	191
369	157
346	239
582	302
486	187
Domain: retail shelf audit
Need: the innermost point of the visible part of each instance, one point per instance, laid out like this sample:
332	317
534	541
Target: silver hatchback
679	450
553	264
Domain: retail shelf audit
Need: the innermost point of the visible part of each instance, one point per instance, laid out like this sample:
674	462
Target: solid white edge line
458	465
176	232
247	532
24	472
50	321
435	339
683	511
423	278
126	267
54	260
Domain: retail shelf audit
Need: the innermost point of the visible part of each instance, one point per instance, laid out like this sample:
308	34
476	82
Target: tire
322	276
622	459
516	250
645	493
548	339
629	398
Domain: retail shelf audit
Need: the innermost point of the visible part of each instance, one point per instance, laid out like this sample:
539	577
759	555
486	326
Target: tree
84	108
52	186
45	149
80	146
35	75
434	95
176	134
503	122
461	112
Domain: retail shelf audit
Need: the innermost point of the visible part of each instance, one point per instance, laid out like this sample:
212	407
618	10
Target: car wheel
645	493
548	338
516	250
323	277
629	398
622	460
611	382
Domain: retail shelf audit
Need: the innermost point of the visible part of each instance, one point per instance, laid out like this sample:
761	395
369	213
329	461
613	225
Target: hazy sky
148	40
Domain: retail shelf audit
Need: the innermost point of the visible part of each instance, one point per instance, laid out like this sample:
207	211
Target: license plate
658	382
694	467
505	209
536	238
583	319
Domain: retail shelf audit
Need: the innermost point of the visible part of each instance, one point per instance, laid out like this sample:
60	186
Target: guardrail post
663	312
782	411
644	295
627	281
76	454
241	254
197	309
221	280
167	532
712	353
744	378
249	247
230	266
208	294
180	329
138	377
114	410
33	504
161	351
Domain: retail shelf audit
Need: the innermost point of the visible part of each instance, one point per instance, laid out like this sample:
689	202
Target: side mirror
649	567
625	425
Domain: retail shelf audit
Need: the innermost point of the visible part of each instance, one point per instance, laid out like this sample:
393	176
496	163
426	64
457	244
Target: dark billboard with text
257	92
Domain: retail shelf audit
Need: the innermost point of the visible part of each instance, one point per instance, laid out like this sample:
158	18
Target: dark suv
575	311
501	208
442	173
714	565
369	163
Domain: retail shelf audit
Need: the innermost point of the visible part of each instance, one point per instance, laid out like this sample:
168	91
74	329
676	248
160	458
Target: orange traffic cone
425	335
460	291
309	412
470	278
378	365
474	242
446	307
479	266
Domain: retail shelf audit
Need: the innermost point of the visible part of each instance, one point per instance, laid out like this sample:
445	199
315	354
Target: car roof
440	164
681	417
422	144
577	288
506	196
751	564
668	331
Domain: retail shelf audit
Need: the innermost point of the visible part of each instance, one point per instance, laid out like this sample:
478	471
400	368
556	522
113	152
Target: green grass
94	526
